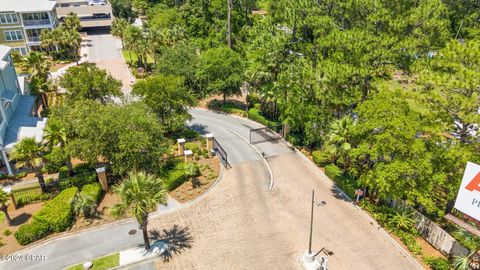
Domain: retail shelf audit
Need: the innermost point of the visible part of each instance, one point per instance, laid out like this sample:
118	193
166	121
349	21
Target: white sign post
468	198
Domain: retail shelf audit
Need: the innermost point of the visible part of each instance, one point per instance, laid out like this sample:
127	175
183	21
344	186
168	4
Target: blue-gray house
17	110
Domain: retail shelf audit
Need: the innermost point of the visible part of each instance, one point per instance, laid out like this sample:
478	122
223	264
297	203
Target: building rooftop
4	50
26	5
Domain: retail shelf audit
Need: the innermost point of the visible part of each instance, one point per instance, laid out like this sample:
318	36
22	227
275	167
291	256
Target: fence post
209	138
13	199
102	178
188	155
181	145
286	130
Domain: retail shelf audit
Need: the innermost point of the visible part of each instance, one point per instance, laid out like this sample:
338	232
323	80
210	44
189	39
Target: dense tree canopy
168	98
87	81
128	136
388	90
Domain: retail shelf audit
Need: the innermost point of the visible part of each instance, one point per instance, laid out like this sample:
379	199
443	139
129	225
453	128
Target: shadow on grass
176	240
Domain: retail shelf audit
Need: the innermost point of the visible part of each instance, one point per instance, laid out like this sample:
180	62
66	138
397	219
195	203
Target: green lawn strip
2	217
101	263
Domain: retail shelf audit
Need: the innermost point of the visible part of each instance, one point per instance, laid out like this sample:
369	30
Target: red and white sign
468	198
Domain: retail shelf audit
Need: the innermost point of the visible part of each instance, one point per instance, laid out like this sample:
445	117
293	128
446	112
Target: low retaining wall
434	234
437	237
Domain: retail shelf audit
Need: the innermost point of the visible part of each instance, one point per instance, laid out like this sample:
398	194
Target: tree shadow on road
176	240
202	129
337	193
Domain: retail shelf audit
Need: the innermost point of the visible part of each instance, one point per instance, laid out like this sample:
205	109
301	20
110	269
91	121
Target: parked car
96	3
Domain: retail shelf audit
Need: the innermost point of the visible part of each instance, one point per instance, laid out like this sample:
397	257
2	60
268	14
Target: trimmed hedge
437	263
31	232
321	158
94	191
55	216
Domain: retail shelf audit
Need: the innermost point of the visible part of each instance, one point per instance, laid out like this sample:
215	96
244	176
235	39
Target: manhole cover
131	232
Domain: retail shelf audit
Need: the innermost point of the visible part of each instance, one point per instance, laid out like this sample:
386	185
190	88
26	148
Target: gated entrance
265	134
222	154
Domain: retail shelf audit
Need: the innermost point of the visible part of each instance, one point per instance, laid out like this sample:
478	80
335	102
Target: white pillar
7	163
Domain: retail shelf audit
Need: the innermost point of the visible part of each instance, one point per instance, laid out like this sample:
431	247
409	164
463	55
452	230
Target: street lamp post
309	256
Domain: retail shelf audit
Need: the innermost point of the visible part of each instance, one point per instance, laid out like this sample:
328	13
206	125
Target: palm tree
38	64
4	200
72	22
469	262
29	154
118	28
339	137
140	194
56	135
84	205
192	171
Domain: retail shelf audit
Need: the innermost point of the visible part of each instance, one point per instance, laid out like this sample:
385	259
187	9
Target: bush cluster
93	190
176	177
55	216
321	158
437	263
256	116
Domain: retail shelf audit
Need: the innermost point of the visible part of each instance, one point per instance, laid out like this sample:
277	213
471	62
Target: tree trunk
224	98
68	163
143	225
41	180
7	216
229	23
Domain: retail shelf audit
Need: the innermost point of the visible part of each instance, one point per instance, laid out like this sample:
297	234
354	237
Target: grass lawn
2	217
126	56
101	263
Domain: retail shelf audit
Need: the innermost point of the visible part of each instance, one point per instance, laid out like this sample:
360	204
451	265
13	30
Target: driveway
240	224
105	51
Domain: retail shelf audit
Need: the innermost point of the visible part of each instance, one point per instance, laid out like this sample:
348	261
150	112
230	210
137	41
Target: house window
8	18
21	50
13	35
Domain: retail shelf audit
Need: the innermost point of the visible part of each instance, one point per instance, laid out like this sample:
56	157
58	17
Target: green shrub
56	160
31	232
57	213
93	190
252	99
321	158
7	232
437	263
193	147
295	139
409	240
21	174
333	172
256	116
78	180
175	179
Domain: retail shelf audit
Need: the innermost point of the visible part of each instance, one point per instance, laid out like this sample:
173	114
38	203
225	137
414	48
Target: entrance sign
468	198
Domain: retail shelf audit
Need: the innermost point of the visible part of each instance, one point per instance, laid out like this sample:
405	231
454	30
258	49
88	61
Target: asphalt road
105	50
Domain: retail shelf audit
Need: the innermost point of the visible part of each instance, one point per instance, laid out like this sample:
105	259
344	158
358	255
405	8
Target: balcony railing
36	22
33	39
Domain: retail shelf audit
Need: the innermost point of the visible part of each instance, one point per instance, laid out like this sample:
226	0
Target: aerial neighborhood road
241	224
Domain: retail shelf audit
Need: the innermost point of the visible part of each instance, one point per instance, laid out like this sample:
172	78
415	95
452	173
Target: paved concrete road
104	50
239	224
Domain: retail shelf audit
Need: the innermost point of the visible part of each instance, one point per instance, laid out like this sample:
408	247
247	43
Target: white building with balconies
22	21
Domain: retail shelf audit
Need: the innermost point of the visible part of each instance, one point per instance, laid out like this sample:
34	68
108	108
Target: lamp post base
309	262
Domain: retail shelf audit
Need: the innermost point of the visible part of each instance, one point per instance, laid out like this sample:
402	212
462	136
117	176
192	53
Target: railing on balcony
36	22
33	39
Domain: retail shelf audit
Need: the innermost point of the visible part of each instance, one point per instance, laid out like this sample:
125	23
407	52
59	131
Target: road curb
270	187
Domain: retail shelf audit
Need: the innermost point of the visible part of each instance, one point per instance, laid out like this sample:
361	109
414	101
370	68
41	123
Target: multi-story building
92	13
21	22
17	107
